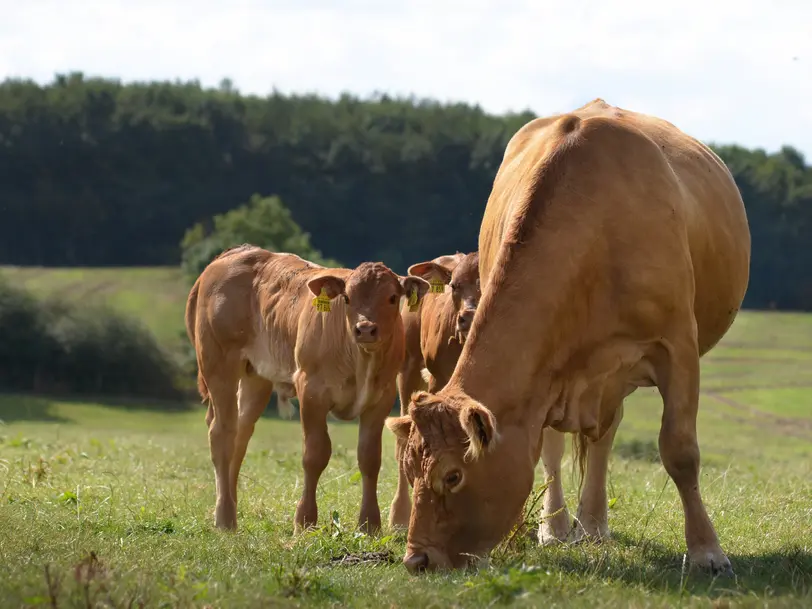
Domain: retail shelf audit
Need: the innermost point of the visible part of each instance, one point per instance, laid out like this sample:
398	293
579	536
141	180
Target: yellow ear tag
437	286
322	302
413	301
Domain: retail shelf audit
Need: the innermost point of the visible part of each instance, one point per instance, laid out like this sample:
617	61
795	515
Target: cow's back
708	206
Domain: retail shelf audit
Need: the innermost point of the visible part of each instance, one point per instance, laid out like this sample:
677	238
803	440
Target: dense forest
97	173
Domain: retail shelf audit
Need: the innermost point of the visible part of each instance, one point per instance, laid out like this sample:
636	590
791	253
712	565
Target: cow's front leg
370	431
316	452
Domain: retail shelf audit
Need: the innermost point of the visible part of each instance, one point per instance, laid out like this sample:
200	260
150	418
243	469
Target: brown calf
256	325
435	333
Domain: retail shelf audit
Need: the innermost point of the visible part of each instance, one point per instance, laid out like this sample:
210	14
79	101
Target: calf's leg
253	395
409	381
370	431
553	528
317	449
222	379
677	371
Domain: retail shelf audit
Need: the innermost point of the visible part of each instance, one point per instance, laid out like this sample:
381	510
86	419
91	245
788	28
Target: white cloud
724	71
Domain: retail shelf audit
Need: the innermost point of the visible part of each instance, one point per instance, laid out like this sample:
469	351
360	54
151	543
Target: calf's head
470	479
372	294
461	273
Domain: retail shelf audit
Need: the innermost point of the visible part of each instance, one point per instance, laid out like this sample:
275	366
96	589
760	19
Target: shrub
57	347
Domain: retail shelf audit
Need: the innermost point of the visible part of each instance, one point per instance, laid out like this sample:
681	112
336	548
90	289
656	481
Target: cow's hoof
713	561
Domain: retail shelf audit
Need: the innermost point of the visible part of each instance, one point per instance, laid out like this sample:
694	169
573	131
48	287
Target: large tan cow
617	253
436	329
255	324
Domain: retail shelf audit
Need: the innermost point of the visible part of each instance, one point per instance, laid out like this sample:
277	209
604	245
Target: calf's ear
414	284
431	269
480	426
334	286
400	426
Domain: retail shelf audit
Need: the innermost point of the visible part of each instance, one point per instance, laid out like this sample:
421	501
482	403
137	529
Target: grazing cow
256	325
616	250
435	331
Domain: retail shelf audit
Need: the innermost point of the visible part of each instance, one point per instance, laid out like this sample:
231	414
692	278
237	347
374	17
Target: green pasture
110	504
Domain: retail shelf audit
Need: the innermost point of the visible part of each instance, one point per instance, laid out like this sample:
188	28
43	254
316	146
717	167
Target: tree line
94	172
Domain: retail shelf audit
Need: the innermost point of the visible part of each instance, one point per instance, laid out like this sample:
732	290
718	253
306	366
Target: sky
725	72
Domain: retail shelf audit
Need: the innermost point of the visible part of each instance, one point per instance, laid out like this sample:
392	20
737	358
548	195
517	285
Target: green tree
263	221
94	172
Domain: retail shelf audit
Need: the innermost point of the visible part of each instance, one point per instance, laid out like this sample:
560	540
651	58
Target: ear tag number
437	286
322	302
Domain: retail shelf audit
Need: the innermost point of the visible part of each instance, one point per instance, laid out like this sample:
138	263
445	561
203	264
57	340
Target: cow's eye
393	299
454	287
346	299
453	478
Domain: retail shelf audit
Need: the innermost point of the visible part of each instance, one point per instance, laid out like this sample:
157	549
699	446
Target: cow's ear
479	425
412	285
332	285
431	269
400	426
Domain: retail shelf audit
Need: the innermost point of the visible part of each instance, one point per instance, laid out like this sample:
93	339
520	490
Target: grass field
116	501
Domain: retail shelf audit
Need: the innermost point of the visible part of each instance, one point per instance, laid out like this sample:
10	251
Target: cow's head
470	478
461	273
372	294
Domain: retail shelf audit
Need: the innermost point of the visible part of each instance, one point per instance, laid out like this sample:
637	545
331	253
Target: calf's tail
191	320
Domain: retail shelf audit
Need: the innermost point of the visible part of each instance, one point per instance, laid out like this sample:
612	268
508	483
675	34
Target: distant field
135	486
155	295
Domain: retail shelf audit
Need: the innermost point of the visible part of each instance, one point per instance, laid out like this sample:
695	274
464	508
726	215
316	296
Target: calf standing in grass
333	337
436	329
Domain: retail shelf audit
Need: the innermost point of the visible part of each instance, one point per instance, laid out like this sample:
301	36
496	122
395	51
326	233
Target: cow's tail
191	320
579	449
284	406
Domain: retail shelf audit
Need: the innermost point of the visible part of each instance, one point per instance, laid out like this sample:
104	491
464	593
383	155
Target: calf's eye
393	299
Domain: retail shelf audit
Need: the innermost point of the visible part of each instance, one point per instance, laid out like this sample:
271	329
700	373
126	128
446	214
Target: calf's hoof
370	524
399	516
307	517
225	516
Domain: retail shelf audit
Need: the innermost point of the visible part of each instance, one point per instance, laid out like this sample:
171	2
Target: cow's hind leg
253	396
555	521
315	454
592	518
677	369
222	378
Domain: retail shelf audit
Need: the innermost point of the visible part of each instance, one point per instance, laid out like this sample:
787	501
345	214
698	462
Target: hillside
154	295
